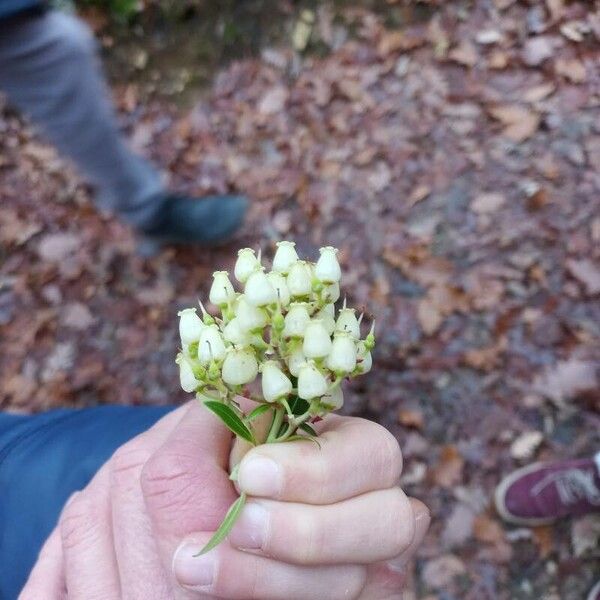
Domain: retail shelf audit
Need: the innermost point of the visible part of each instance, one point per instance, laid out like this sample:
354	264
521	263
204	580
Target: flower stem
276	424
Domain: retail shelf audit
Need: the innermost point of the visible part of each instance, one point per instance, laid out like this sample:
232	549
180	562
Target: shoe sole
500	494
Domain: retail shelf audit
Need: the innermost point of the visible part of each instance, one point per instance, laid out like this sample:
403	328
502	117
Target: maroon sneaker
595	592
543	492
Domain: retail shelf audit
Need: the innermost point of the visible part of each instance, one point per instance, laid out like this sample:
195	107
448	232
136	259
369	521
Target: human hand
320	523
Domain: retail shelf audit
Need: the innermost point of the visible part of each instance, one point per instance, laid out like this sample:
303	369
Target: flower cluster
283	329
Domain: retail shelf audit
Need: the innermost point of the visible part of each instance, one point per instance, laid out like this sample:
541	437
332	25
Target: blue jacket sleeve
43	460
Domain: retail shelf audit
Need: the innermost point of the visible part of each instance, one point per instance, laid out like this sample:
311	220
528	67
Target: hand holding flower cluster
282	329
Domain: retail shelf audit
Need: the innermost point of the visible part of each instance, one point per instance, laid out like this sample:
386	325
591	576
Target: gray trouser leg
50	71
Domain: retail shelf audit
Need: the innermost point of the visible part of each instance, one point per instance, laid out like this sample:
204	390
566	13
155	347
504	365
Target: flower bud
221	291
317	343
190	326
299	279
342	358
234	334
333	399
327	269
331	292
188	381
296	320
211	346
281	288
370	339
239	366
327	315
259	291
249	316
295	359
311	382
246	264
275	384
285	257
364	358
348	322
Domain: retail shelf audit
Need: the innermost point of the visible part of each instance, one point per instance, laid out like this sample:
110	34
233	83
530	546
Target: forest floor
451	152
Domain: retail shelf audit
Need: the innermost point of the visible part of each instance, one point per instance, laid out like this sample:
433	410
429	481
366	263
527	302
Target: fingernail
260	476
250	531
191	570
422	521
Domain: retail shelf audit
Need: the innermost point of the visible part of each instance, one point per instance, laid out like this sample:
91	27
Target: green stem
293	426
275	425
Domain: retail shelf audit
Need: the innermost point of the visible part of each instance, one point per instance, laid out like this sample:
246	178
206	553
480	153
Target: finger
368	528
355	456
90	568
228	573
46	579
141	572
385	580
185	484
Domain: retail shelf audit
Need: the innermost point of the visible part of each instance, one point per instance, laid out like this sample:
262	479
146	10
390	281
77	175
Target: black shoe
210	220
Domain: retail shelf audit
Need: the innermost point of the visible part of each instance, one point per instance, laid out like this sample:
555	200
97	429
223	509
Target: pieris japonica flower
299	279
234	334
275	383
342	358
297	320
221	291
311	382
317	343
282	291
246	264
211	346
327	268
239	366
348	322
259	291
250	317
190	326
187	379
334	398
285	257
284	325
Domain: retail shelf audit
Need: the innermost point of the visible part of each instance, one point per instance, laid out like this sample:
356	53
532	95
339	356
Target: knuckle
401	525
78	524
126	464
389	455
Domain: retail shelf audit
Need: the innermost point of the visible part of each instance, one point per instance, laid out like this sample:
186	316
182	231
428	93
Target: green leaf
299	406
261	409
231	420
225	527
306	427
299	438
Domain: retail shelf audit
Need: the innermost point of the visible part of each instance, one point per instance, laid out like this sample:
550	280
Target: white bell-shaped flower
317	343
211	346
333	399
295	359
234	334
364	359
285	257
327	316
187	379
327	269
331	292
342	358
296	320
311	382
221	291
348	322
246	264
250	317
259	291
239	366
282	291
275	383
299	279
190	326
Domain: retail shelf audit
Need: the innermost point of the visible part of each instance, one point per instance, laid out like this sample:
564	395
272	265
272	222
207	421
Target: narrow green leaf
299	406
299	438
261	409
306	427
228	416
225	527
